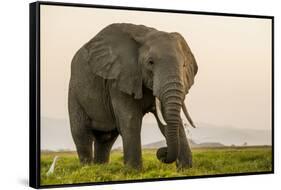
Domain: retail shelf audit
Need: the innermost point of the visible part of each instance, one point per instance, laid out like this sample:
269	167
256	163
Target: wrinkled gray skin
115	78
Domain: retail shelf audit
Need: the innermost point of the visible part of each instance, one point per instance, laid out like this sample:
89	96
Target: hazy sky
233	84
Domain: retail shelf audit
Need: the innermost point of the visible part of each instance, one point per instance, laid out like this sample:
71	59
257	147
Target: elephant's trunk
171	98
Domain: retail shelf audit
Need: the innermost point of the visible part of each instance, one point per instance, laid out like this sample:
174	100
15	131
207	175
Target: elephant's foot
101	156
132	155
133	165
86	161
100	161
102	146
184	160
184	163
85	152
85	155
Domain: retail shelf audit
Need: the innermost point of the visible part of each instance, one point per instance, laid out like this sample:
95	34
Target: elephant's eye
150	62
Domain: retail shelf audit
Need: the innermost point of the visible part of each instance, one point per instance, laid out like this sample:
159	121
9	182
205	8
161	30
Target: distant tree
245	144
233	145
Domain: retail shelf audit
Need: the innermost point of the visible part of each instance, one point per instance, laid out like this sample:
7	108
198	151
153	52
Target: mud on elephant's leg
102	146
81	135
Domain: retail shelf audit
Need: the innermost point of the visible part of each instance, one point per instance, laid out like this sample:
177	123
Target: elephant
122	73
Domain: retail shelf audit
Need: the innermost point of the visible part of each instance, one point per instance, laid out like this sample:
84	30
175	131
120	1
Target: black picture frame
34	91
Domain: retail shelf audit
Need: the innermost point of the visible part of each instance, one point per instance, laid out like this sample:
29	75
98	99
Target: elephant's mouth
160	114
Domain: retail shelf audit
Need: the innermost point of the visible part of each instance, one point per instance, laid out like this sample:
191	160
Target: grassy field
205	162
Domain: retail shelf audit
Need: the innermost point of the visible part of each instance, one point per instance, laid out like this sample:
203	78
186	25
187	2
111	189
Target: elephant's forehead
162	42
164	48
161	38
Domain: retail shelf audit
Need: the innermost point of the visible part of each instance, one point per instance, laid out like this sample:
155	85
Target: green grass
205	162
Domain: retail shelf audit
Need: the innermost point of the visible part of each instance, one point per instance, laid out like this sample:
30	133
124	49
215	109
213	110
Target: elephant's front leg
185	156
131	145
128	117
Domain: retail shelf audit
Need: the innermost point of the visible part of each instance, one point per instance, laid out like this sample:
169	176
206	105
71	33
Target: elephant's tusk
187	115
159	111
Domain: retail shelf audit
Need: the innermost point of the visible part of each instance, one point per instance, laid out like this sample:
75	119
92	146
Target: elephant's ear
114	55
191	67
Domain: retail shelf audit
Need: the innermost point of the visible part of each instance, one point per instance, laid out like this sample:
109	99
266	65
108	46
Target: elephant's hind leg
82	136
102	145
